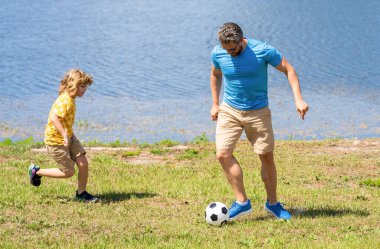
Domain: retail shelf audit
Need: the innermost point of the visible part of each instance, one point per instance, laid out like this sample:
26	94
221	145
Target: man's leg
259	131
228	132
269	176
233	172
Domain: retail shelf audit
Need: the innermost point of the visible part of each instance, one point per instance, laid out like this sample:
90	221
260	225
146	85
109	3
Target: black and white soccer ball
216	214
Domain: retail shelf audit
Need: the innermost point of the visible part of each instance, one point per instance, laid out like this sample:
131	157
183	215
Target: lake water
150	61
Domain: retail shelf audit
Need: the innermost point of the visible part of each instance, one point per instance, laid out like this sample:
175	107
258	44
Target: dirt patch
113	149
144	158
363	171
351	146
93	149
166	202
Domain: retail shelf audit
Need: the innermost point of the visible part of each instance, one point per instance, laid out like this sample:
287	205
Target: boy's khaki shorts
65	156
257	125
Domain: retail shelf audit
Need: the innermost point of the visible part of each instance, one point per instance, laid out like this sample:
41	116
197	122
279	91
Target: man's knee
223	155
267	158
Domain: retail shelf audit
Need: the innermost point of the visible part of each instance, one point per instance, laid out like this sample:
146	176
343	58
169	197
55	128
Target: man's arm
291	74
216	84
59	127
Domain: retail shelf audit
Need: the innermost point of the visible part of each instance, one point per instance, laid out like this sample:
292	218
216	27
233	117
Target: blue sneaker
278	210
237	210
34	179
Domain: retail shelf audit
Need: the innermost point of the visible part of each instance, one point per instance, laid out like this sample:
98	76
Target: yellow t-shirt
64	107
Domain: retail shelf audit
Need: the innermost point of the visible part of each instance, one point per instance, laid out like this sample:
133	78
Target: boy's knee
82	165
69	172
81	161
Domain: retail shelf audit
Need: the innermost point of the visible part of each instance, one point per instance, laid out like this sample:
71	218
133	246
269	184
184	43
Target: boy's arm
58	125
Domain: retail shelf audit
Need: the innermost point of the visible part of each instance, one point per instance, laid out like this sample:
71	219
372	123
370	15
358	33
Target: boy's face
81	90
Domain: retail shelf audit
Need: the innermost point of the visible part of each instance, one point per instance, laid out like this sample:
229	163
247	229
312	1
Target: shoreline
158	153
177	144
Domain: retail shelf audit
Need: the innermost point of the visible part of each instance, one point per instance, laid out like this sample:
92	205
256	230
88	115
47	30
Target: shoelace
90	196
233	205
282	205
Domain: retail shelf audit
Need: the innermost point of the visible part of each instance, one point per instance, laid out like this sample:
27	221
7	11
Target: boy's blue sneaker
278	210
35	179
237	210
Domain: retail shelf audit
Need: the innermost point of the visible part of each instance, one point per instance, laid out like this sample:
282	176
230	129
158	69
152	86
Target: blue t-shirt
246	75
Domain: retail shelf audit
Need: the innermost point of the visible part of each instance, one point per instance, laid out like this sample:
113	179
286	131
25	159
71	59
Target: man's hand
302	108
214	112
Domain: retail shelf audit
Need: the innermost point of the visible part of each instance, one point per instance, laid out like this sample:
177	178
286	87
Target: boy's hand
66	141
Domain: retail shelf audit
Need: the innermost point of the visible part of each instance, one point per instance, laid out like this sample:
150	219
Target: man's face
233	48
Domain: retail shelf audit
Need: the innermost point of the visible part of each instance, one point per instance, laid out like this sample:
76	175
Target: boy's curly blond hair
72	79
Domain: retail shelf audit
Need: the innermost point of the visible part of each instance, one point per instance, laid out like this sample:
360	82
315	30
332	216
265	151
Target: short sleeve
272	55
61	106
214	59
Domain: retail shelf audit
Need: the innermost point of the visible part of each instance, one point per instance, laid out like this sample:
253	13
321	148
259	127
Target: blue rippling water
151	60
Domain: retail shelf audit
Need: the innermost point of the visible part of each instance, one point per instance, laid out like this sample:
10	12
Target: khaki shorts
257	125
65	156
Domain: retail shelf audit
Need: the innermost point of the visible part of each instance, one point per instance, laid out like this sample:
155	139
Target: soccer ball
216	214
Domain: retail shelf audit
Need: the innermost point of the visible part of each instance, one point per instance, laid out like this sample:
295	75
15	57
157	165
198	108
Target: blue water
151	64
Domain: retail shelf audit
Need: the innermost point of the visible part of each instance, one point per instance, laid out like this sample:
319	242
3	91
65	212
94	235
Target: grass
371	182
131	153
157	200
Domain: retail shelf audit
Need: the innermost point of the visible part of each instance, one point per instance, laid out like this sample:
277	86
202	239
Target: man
243	64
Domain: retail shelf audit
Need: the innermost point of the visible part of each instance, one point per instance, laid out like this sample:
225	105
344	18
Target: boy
60	141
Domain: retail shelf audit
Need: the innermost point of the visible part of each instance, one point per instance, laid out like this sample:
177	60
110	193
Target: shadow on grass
327	212
117	196
318	212
112	197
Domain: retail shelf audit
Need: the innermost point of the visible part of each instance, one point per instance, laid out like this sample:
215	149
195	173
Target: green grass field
154	196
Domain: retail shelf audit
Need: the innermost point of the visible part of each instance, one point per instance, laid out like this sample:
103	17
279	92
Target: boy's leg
78	153
82	164
61	155
56	173
81	193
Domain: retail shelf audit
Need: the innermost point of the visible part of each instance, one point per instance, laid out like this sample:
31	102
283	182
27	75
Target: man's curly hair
230	32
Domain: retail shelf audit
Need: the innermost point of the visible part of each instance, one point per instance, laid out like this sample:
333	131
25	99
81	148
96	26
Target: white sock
242	203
